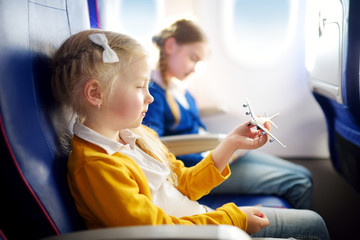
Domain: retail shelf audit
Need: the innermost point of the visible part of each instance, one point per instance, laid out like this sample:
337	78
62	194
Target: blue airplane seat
338	93
217	200
35	201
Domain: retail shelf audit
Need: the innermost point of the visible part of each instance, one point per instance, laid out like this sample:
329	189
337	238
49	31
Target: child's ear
170	45
92	92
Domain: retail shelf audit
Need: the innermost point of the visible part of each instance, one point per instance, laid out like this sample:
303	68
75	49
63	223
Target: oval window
257	32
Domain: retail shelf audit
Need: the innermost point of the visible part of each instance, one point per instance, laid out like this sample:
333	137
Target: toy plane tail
273	116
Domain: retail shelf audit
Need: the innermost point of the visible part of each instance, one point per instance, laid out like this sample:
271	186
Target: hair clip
109	55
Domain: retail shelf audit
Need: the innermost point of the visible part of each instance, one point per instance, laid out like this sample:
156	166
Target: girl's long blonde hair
184	32
79	60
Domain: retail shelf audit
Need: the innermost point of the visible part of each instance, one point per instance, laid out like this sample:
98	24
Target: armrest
206	111
192	143
178	232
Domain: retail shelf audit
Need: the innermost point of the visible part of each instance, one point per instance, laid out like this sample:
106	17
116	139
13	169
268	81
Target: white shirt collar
156	78
109	145
174	84
177	88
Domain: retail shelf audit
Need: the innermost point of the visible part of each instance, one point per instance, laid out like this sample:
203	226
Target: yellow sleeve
197	181
108	193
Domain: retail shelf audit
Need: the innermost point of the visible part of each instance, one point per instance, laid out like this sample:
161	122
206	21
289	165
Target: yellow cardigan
113	191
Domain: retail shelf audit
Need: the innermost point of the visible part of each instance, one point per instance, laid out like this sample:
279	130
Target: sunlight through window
257	32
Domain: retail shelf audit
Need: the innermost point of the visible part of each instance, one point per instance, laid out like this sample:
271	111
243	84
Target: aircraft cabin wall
257	51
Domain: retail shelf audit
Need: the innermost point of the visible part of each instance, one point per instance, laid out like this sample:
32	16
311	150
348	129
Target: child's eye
194	58
142	85
145	84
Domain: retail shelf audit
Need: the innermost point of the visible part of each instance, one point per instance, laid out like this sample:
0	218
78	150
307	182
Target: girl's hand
256	220
248	137
242	137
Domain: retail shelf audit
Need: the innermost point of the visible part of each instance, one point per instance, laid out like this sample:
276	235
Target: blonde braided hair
184	32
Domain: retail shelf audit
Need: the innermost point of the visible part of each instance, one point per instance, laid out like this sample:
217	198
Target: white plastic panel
324	47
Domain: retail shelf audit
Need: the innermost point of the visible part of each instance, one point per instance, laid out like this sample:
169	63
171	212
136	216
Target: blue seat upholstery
35	201
217	200
343	116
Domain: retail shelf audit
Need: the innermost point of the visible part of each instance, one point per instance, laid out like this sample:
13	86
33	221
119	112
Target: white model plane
260	121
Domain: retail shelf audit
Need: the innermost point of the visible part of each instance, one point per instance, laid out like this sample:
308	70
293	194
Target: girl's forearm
222	154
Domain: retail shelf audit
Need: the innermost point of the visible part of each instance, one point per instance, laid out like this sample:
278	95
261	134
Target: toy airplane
260	121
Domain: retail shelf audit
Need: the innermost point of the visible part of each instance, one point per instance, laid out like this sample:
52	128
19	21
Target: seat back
35	200
334	80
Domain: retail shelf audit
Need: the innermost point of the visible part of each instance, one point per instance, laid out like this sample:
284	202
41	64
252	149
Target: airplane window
136	18
139	16
257	32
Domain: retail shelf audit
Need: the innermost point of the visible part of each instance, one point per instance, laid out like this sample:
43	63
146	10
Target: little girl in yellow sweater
119	172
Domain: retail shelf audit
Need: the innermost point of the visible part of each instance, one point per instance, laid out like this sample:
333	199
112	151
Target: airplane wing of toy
273	138
260	121
251	112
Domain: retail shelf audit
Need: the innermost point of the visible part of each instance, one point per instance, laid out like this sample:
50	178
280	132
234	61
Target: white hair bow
109	55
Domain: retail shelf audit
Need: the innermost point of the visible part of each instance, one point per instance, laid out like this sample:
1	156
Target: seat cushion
214	200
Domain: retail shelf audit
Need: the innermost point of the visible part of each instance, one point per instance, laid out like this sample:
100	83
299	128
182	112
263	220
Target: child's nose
150	98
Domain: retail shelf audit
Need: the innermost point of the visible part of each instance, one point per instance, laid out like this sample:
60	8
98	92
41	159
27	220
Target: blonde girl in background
174	112
119	173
